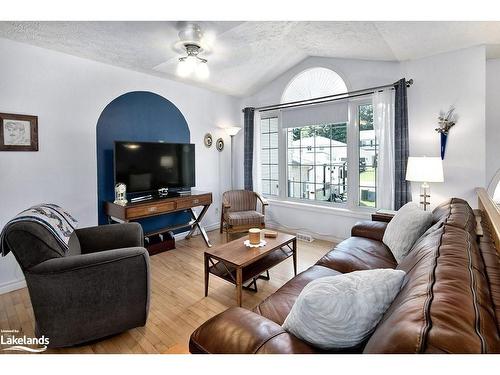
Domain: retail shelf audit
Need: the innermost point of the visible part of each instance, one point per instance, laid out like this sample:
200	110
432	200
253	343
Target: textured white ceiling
248	55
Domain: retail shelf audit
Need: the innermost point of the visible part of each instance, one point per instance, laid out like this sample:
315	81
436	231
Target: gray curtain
248	116
402	188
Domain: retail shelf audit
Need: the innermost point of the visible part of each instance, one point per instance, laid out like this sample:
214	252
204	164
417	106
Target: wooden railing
492	214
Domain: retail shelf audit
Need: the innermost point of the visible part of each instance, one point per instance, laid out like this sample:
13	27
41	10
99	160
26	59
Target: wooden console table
163	206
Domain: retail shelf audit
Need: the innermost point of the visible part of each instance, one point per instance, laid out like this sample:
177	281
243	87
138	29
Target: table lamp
425	170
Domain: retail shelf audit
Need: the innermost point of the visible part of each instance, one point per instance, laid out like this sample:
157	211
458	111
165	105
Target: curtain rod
330	98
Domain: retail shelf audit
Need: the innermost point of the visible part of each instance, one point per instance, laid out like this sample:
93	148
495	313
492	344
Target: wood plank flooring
178	305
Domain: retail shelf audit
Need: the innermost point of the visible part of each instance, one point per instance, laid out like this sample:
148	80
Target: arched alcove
139	116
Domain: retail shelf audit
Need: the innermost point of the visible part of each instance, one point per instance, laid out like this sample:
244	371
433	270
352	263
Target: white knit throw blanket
55	219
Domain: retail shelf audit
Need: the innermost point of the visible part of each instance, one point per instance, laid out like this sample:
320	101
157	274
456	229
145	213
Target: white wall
492	118
453	78
321	222
68	94
456	78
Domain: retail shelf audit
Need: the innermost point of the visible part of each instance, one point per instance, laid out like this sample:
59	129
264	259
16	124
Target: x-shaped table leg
196	224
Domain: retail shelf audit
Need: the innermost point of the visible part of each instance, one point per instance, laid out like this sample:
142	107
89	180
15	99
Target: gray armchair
97	288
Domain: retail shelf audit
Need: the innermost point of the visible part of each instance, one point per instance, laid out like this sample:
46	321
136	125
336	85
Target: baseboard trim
281	228
208	228
12	285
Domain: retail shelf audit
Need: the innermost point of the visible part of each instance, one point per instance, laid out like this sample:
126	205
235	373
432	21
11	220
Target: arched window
316	164
313	83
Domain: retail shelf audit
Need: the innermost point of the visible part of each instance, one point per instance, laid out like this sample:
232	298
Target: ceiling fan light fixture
191	32
202	72
192	63
186	66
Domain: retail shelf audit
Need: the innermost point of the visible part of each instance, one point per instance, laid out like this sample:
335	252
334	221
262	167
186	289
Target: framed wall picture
18	132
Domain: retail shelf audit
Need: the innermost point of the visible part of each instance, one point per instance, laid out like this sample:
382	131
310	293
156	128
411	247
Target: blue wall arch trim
140	116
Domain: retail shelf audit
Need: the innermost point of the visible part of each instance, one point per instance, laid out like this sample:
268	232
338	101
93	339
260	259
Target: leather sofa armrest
241	331
369	229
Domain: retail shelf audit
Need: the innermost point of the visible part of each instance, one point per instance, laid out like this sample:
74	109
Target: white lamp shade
202	71
424	169
186	67
232	130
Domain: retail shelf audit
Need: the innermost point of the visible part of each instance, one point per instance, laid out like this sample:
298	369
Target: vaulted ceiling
248	55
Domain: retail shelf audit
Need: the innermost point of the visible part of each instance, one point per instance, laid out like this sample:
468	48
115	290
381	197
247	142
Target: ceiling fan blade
167	66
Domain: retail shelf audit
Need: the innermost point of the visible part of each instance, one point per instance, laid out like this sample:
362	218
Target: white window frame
354	117
265	116
352	203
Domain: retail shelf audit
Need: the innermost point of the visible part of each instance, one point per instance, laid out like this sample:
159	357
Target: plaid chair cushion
244	218
240	200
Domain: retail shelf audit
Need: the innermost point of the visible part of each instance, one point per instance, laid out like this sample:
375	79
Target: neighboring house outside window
326	163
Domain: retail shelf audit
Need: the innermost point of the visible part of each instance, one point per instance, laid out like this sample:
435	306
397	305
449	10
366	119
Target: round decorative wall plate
207	140
220	144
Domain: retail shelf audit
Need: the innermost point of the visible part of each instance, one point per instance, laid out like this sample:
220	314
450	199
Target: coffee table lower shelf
238	275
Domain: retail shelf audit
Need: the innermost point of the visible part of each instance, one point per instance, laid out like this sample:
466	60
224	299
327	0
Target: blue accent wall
139	116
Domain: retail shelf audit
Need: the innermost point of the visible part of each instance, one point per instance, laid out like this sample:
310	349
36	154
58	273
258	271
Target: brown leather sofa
450	302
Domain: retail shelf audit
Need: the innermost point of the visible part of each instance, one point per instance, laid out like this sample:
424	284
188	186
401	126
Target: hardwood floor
178	305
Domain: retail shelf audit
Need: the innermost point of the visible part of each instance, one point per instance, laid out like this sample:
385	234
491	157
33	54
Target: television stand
133	211
141	198
170	194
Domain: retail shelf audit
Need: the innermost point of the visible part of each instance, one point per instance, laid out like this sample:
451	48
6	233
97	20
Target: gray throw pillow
405	228
341	311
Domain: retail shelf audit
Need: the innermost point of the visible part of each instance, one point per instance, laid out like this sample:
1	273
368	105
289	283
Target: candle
254	236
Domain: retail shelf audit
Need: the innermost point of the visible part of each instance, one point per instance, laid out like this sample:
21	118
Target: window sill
360	213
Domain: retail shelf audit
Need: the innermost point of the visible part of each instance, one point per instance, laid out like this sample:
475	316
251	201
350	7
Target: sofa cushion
341	311
240	200
445	305
244	218
455	212
409	223
358	253
277	306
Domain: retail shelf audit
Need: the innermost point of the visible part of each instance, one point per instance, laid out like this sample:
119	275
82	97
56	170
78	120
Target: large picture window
323	153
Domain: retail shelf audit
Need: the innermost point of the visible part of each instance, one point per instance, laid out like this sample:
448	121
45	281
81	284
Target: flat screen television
149	166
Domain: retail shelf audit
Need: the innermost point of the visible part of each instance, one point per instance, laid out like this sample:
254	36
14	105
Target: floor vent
304	237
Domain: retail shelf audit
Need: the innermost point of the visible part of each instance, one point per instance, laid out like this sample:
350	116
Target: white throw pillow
409	223
341	311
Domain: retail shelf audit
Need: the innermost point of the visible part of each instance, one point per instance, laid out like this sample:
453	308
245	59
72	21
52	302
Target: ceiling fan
193	42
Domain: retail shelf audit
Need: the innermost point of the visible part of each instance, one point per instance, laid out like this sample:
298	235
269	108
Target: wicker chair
239	211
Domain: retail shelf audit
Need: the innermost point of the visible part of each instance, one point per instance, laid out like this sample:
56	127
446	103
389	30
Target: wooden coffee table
236	263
